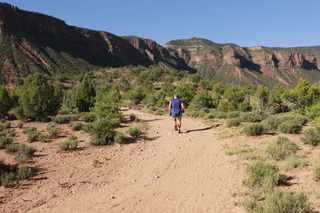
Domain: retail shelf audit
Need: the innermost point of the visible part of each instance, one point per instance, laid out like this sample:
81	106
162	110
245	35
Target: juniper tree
4	102
38	98
85	95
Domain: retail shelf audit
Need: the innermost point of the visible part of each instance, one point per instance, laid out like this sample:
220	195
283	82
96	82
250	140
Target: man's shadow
195	130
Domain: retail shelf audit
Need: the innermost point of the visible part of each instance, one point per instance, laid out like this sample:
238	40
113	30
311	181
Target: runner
176	107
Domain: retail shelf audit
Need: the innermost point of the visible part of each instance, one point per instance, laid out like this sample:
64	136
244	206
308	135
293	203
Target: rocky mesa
33	42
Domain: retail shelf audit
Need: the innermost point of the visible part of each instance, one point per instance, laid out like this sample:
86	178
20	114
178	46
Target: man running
176	107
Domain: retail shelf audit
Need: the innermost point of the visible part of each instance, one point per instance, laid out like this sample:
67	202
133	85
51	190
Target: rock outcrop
33	42
256	65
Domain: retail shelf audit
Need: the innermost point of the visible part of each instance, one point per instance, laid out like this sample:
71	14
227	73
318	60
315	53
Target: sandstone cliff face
41	43
257	65
32	42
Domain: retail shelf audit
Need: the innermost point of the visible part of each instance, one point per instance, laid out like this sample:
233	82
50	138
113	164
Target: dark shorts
176	113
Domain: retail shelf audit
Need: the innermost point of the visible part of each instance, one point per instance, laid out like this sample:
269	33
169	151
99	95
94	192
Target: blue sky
247	23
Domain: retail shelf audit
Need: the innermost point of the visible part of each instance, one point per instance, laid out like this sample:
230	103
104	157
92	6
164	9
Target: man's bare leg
179	123
175	123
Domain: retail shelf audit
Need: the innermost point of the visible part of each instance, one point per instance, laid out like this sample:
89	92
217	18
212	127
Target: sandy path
163	172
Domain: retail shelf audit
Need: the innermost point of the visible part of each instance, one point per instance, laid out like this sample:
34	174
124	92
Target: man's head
176	96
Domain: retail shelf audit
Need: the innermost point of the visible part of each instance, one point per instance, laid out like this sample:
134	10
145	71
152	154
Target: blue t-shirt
176	103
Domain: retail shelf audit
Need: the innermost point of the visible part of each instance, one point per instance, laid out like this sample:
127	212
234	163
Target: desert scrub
5	141
11	148
24	173
7	179
243	151
254	129
7	124
311	136
65	119
290	126
29	129
134	118
293	161
234	114
88	117
70	144
134	130
20	124
280	148
54	132
254	116
34	136
233	122
281	202
24	153
76	125
263	175
11	133
316	172
118	138
272	122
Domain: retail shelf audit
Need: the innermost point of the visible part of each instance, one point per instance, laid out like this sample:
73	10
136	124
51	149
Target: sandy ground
161	171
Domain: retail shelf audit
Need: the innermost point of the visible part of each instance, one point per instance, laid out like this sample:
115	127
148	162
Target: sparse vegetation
70	144
254	129
134	130
263	175
311	136
281	148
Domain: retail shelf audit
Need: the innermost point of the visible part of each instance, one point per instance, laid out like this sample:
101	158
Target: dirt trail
163	172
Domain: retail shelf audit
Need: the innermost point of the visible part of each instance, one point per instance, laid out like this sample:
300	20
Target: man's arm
170	106
182	106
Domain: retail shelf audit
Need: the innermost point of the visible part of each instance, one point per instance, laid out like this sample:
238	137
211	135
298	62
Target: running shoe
175	127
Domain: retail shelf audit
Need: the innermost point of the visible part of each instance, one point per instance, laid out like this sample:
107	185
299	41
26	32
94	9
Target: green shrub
316	172
134	118
26	150
12	148
263	175
68	145
20	124
29	129
7	125
5	141
254	129
254	116
293	161
290	127
134	130
43	138
53	132
76	125
7	179
118	138
50	125
218	114
102	131
234	114
233	122
88	117
24	173
33	136
281	148
272	122
194	113
1	127
283	201
2	133
65	119
311	136
11	133
72	138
